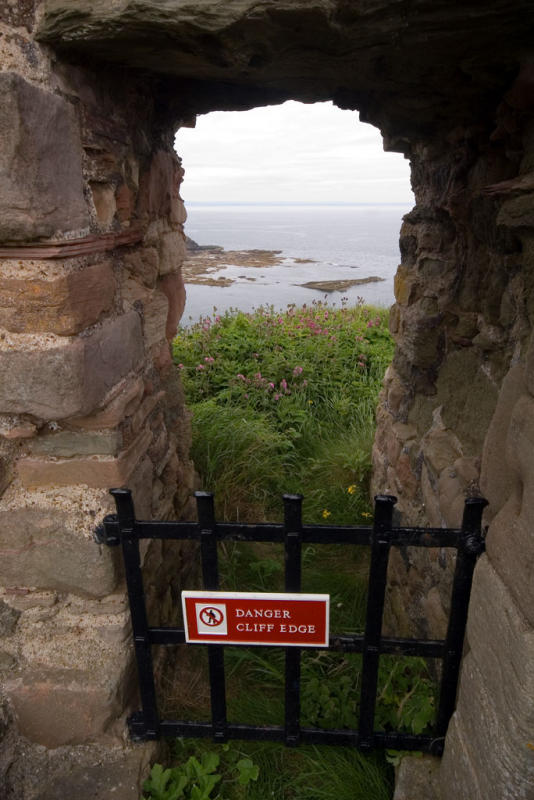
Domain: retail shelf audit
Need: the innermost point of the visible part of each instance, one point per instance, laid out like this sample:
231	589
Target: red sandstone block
95	471
65	305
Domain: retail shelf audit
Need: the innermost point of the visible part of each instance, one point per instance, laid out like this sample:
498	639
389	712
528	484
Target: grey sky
293	152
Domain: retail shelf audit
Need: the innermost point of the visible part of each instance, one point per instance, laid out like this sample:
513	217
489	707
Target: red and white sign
299	620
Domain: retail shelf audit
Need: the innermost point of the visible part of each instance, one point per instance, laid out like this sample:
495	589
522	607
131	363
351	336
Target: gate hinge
108	531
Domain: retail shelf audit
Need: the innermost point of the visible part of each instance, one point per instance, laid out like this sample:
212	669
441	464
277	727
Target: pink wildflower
240	377
277	396
297	371
180	366
209	359
200	367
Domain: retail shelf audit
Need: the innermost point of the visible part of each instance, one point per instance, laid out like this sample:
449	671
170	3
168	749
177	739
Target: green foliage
405	698
285	402
261	770
196	780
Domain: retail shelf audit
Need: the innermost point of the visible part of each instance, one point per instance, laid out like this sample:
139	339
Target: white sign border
290	596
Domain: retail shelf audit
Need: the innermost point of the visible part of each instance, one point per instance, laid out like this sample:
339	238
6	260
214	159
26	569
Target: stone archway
91	246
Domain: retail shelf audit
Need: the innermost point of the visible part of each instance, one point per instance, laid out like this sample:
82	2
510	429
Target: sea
341	241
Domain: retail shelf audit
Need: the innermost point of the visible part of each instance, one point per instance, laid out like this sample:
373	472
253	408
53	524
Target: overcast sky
292	152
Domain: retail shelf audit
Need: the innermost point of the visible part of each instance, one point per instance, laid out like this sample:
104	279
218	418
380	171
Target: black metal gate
123	529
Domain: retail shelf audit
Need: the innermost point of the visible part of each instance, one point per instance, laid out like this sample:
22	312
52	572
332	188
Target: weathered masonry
91	243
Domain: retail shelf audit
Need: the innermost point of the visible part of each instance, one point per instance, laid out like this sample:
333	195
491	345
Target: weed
197	780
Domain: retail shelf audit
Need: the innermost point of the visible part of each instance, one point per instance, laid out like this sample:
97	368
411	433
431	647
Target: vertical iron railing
293	572
375	611
123	529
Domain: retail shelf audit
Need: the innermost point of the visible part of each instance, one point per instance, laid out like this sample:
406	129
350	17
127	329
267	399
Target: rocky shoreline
204	261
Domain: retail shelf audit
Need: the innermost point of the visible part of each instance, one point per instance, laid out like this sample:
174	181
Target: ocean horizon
334	240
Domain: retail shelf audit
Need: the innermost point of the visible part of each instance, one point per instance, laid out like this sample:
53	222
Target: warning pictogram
211	618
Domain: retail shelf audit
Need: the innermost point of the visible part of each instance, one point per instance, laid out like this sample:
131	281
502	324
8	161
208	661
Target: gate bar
136	595
210	578
375	607
470	546
293	573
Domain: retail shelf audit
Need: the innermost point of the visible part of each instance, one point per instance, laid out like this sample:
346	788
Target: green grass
285	402
306	773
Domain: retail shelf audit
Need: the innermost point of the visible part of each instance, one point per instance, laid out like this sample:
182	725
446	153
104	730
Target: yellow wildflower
326	513
366	514
351	489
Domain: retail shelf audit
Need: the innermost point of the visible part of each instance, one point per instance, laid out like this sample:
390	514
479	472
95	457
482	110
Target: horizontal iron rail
277	733
266	532
344	643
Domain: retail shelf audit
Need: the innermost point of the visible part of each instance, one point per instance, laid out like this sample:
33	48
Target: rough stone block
405	286
61	708
67	444
42	376
517	212
111	352
141	485
159	188
40	163
441	448
495	714
417	778
121	401
120	780
53	378
172	252
144	264
509	545
420	333
64	303
95	471
104	202
458	778
451	494
468	397
173	287
155	313
44	548
496	480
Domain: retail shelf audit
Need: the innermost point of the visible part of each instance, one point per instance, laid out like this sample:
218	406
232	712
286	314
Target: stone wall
91	244
456	419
